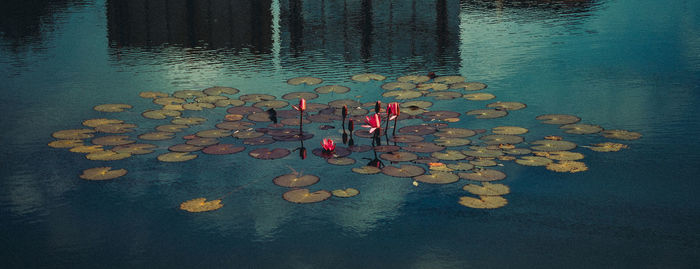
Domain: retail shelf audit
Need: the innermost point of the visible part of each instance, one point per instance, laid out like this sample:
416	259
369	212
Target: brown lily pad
346	193
424	147
332	88
102	173
621	134
366	170
269	154
185	148
509	130
107	155
448	155
219	90
112	107
135	149
176	157
507	105
487	189
502	139
304	80
399	156
449	79
419	130
157	136
74	134
222	149
454	132
479	96
62	144
403	94
202	142
533	161
341	161
112	140
483	202
201	205
188	121
294	180
483	175
303	196
438	178
567	166
413	79
118	128
405	170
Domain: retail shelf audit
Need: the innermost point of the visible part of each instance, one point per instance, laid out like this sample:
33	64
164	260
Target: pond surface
619	64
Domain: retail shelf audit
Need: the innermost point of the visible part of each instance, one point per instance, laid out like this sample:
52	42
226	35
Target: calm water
620	64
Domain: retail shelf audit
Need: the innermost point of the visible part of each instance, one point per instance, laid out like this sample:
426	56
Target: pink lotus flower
328	145
302	105
373	123
393	110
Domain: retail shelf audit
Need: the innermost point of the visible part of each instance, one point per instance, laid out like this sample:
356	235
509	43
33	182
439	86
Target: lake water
620	64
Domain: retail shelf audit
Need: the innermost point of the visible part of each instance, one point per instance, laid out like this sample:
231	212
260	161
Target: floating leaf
213	133
367	77
176	157
257	97
171	128
299	95
202	141
418	104
135	149
439	115
101	121
112	140
106	155
405	170
581	128
102	173
119	128
558	119
483	175
448	155
479	96
229	102
219	90
332	88
484	202
509	130
188	121
157	136
112	107
561	155
483	153
184	148
349	192
424	147
245	134
517	151
533	161
210	99
607	147
294	180
501	139
66	143
449	79
438	178
553	137
419	130
235	125
444	95
567	166
303	196
463	166
552	145
433	86
152	95
222	149
483	162
452	141
468	86
507	105
87	149
201	205
168	101
487	189
487	113
406	138
399	156
621	134
304	80
454	132
198	106
267	154
74	134
186	94
160	114
341	161
258	141
403	94
178	107
366	170
271	104
413	79
399	86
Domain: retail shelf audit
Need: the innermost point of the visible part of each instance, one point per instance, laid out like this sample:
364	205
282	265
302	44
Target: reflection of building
369	30
209	23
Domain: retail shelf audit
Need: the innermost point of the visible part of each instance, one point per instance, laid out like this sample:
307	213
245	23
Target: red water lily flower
328	145
373	123
302	105
393	110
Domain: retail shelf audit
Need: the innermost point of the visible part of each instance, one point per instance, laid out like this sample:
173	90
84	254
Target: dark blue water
632	65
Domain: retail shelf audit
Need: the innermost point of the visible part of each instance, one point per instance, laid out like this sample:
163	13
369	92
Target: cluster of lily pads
425	148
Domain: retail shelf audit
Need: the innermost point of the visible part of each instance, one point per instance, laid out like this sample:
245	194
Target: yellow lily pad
303	196
112	107
66	143
102	121
607	147
102	173
349	192
480	96
487	189
200	205
621	134
106	155
367	77
73	134
483	202
176	157
509	130
567	166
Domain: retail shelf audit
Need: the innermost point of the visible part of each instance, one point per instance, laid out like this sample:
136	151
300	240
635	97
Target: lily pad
294	180
210	99
406	138
201	205
332	88
62	144
462	166
501	139
366	170
509	130
304	80
229	102
235	125
185	148
552	145
621	134
533	161
341	161
468	86
449	79
202	142
439	115
112	140
303	196
160	114
102	173
487	189
118	128
152	95
213	133
73	134
219	90
479	96
265	105
176	157
438	178
419	130
607	147
245	134
448	155
483	175
483	153
399	156
168	101
256	97
101	121
87	149
452	141
243	110
507	105
483	202
298	95
188	121
454	133
558	119
405	170
418	104
483	162
222	149
581	128
403	94
106	155
517	151
157	136
561	155
444	95
198	106
367	77
135	149
112	107
171	128
269	154
424	147
567	166
349	192
259	141
187	94
487	113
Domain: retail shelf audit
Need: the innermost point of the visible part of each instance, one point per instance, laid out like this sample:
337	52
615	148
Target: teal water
630	65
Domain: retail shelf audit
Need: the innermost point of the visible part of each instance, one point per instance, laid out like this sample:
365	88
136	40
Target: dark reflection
554	6
210	24
25	23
